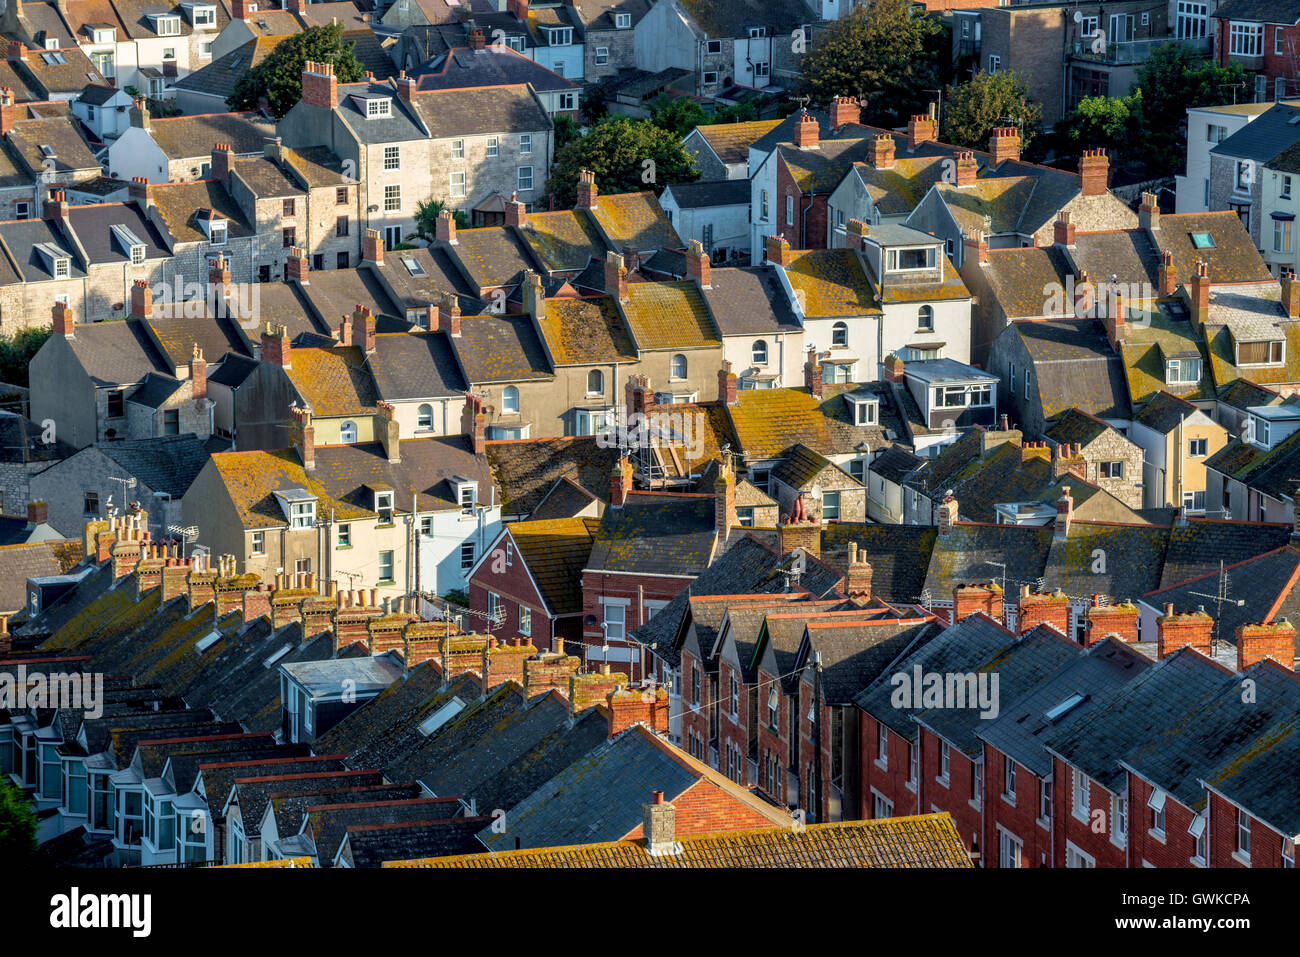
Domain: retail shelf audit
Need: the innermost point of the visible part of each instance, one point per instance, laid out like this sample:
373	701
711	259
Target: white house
105	111
715	213
1207	126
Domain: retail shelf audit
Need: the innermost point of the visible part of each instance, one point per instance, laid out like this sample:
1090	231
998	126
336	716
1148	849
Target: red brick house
1264	39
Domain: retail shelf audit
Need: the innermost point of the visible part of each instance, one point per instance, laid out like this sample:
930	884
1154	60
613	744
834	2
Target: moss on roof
251	478
669	315
831	282
333	381
564	239
584	331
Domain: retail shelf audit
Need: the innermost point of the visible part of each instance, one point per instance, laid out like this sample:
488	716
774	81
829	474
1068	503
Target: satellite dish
816	492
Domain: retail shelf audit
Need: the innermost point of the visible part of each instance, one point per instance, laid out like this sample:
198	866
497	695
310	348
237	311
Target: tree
972	110
279	76
1112	123
677	114
883	53
1173	79
17	824
566	131
626	155
16	352
426	219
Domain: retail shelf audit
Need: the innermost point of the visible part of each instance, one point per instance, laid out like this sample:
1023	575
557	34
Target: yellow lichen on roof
726	137
950	287
636	220
333	381
669	315
769	421
1146	348
1223	358
831	282
584	331
564	239
250	478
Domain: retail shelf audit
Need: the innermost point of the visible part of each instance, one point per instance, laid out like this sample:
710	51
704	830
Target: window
695	684
1111	470
466	556
1182	371
602	56
1009	780
509	400
386	566
341	196
763	205
713	46
1243	834
913	763
1118	820
392	157
379	107
560	36
1080	795
467	496
1214	133
1286	187
677	367
789	210
595	382
22	210
881	807
1288	852
944	763
171	422
773	700
257	544
830	506
90	504
1009	849
217	236
458	149
710	78
615	622
882	746
345	536
906	260
622	21
759	352
840	334
1044	801
137	255
525	144
205	48
525	178
117	404
384	506
1157	804
393	194
62	268
762	68
1077	858
925	319
424	416
734	692
864	413
994	63
496	610
977	783
1281	235
341	226
1198	448
1245	39
287	236
1197	830
1259	353
426	526
1191	19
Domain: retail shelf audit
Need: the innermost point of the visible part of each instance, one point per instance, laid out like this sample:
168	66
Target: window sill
1044	823
1157	836
943	782
883	765
1241	859
385	581
1009	799
1197	862
910	785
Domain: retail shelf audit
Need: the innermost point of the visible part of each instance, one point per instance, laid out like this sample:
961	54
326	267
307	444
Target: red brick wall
955	797
1265	843
1067	827
891	781
733	731
705	807
515	587
597	585
695	718
1021	819
769	742
1178	847
1275	64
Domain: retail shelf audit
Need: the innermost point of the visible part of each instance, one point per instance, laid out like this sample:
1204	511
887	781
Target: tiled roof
526	469
1273	472
767	422
480	111
634	220
975	552
1148	345
820	169
669	315
566	499
428	467
1072	564
179	204
500	348
115	352
749	301
668	534
493	256
898	555
333	381
415	365
250	478
21	562
564	239
586	331
1264	584
182	137
335	293
437	275
1233	258
555	552
370	845
1074	366
831	282
168	463
1076	427
800	466
1019	276
62	135
462	68
928	840
219	77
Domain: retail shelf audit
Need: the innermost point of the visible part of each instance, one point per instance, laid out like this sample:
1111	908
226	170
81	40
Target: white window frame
457	184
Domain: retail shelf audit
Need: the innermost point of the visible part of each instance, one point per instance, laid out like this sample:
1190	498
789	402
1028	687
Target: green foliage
457	596
745	112
595	104
884	53
626	155
972	110
677	114
16	352
426	219
279	76
1112	123
1173	79
17	824
566	131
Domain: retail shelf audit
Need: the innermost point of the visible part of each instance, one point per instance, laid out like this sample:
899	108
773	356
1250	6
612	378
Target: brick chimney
615	276
516	212
63	324
894	367
372	248
977	245
38	513
921	128
276	348
1290	293
1094	173
296	266
319	85
857	578
1200	292
948	512
240	9
474	423
658	827
855	234
405	86
1257	642
219	278
724	498
799	531
777	250
449	315
1116	312
845	109
967	169
640	397
587	192
620	482
1064	514
141	192
1068	459
222	155
806	131
1149	212
1168	274
8	112
302	435
968	599
1042	608
1004	144
1105	620
1177	631
444	229
363	320
697	264
812	376
727	384
1063	230
199	373
56	208
880	151
141	299
477	41
345	331
17	51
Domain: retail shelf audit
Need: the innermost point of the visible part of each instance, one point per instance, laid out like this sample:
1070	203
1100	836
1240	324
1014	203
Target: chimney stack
806	131
8	112
199	374
1149	212
296	266
1094	173
1195	629
320	87
894	367
63	324
845	109
276	346
445	228
727	385
222	155
615	276
372	248
977	245
697	264
880	151
141	299
139	114
1290	293
516	212
812	376
1257	642
1168	274
1201	292
1063	230
967	169
921	128
449	314
857	579
620	481
474	423
724	494
659	827
1004	144
777	249
587	192
948	512
1064	514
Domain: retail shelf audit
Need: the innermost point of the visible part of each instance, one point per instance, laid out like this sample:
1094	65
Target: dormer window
202	15
1182	371
103	34
51	43
128	242
864	411
167	26
1267	353
903	260
559	36
622	21
62	268
299	507
757	33
57	261
380	106
466	495
217	232
384	506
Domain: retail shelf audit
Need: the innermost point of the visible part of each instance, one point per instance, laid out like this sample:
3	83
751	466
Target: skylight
1202	240
412	266
277	656
207	641
1071	702
440	717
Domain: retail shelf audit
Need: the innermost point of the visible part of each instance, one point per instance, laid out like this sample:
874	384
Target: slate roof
500	348
481	111
415	365
36	560
929	840
634	220
328	824
168	463
219	77
749	301
555	552
182	137
179	205
335	293
115	353
1076	427
566	499
974	553
586	332
563	239
768	422
1164	333
1074	366
1071	564
462	68
831	282
438	276
711	193
63	137
333	381
370	845
854	654
492	256
669	315
656	533
898	555
1233	258
1271	132
526	469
